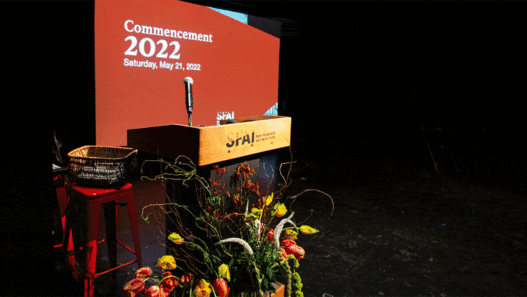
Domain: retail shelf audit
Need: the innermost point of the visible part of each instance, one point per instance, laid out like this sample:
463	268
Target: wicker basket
101	166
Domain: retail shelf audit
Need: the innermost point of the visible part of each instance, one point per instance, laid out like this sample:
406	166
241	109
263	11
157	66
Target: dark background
358	66
351	73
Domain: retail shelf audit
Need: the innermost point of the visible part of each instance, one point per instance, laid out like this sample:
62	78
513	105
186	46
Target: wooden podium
253	140
214	144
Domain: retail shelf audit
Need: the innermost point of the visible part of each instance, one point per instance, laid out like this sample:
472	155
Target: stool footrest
115	268
123	245
121	266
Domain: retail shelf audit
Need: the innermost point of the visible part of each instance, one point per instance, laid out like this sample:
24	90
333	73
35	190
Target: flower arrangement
240	243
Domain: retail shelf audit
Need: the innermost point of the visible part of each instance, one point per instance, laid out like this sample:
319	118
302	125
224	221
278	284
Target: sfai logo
239	138
224	115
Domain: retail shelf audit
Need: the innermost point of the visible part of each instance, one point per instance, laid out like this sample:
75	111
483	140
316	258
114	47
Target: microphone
188	97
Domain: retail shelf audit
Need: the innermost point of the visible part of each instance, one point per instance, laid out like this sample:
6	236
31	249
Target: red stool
95	197
66	239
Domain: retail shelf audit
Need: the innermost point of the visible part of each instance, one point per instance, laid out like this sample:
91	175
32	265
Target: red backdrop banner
144	50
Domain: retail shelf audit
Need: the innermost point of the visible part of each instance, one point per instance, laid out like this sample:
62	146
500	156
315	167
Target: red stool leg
94	208
71	256
67	235
70	249
110	218
63	203
135	230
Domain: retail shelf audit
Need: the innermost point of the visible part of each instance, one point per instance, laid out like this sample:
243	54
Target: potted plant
237	247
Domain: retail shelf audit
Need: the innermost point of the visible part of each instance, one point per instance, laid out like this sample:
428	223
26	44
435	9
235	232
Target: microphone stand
188	100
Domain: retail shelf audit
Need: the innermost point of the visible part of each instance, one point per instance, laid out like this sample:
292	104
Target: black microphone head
188	79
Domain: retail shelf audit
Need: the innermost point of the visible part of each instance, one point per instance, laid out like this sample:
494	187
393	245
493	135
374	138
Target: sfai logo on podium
245	137
224	115
239	138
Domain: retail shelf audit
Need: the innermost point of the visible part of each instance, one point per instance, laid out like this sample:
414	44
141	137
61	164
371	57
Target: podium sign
214	144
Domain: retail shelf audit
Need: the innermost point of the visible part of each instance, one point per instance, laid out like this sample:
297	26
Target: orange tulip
168	284
270	235
143	272
134	287
221	288
186	279
288	242
296	251
152	291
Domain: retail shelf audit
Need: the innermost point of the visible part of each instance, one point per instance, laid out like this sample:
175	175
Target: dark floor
397	229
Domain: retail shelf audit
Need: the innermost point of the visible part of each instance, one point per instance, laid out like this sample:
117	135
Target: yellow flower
254	215
308	230
256	211
250	217
202	289
279	210
291	234
224	272
269	199
176	238
166	262
203	284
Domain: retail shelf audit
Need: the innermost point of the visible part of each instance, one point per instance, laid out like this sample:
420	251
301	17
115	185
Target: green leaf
265	283
146	219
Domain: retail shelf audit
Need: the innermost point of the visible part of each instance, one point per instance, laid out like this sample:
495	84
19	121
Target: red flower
152	291
296	251
134	287
186	279
270	235
214	182
220	287
218	170
168	284
248	184
288	242
143	272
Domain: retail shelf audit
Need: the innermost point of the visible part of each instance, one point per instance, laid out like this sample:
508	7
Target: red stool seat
94	198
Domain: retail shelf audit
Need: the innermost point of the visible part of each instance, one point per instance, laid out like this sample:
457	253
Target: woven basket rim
73	152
